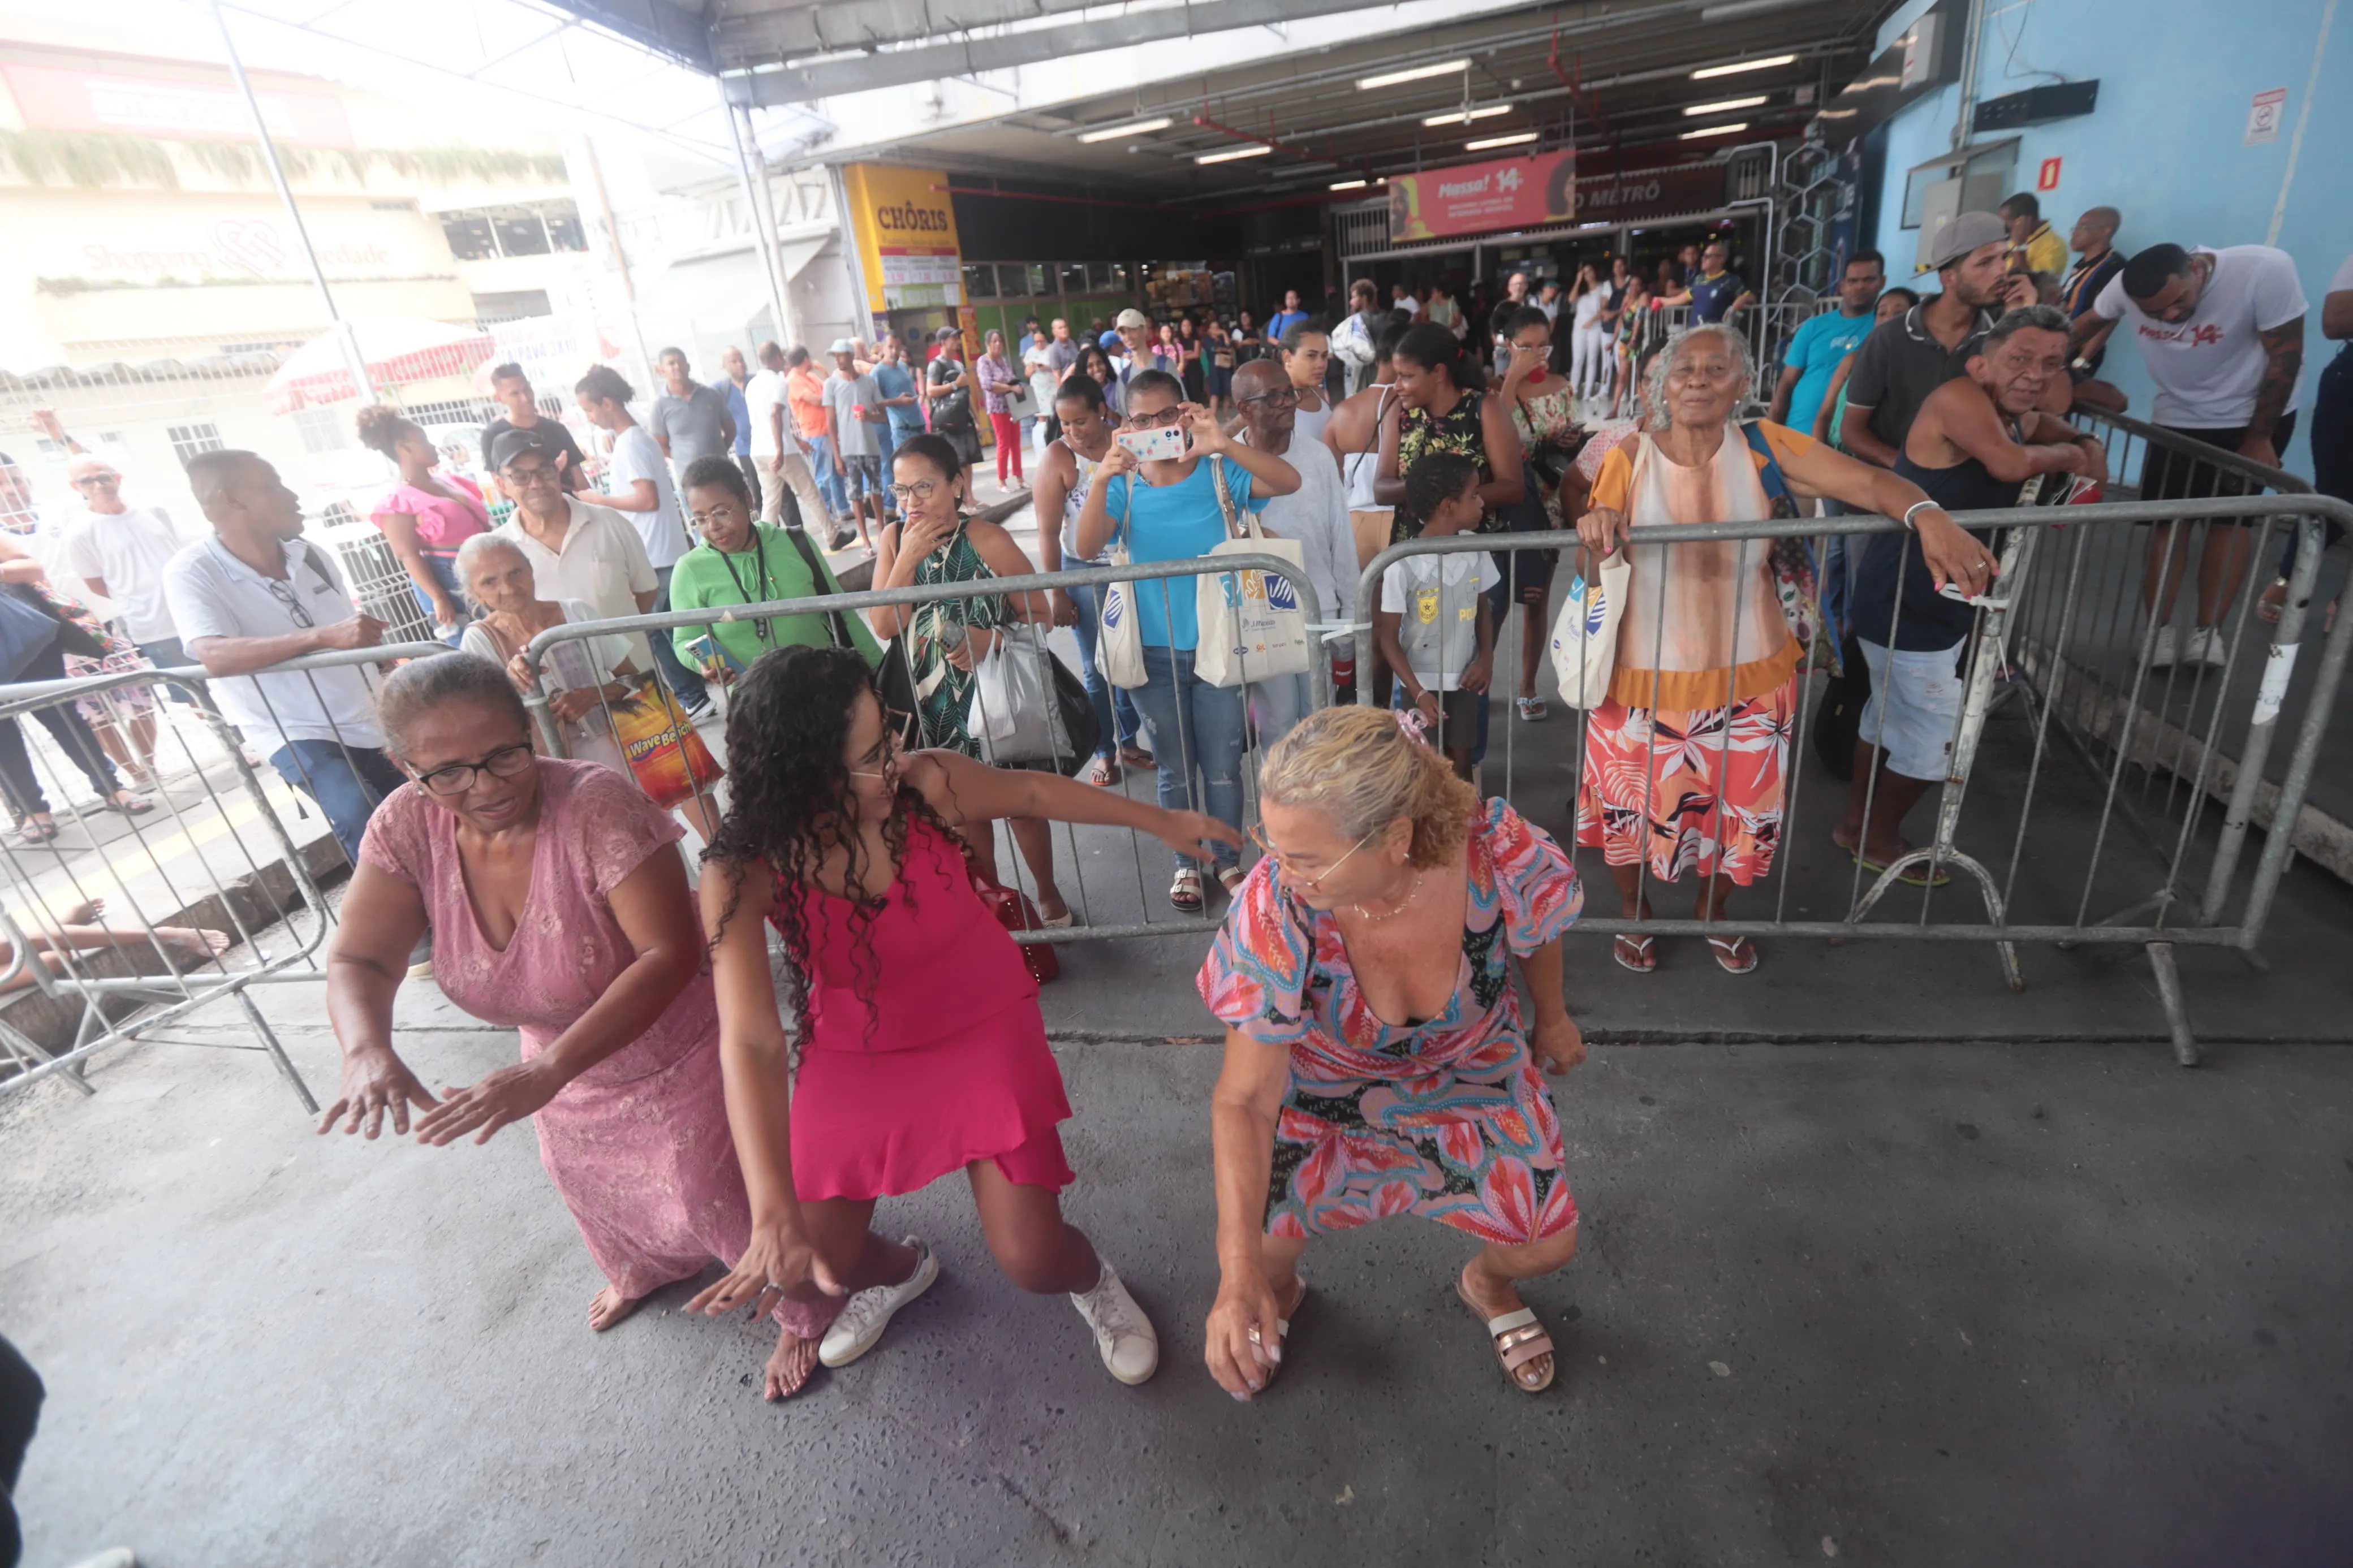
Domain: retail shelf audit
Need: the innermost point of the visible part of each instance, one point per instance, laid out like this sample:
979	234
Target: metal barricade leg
278	1056
2177	1006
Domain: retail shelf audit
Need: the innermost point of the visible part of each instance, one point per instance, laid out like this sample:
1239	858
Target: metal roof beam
929	62
661	25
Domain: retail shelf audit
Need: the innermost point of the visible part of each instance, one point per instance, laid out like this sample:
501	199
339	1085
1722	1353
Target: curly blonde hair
1357	765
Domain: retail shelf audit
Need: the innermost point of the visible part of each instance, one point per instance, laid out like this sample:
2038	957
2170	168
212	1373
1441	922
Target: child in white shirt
1436	627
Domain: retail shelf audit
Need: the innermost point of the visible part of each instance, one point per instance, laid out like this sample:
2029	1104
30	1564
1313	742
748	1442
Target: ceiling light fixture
1737	67
1714	130
1514	141
1229	156
1347	185
1418	73
1726	106
1464	116
1113	132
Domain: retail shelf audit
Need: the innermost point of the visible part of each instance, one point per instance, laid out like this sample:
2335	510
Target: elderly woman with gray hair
583	677
559	908
1684	759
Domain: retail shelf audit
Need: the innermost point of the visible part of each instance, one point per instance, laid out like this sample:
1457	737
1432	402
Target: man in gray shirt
853	416
689	420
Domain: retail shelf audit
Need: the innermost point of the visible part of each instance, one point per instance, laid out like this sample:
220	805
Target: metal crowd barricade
1268	705
2062	602
187	867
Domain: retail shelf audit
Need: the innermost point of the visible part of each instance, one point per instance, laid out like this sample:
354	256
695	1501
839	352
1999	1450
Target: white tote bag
1119	645
1251	625
1585	636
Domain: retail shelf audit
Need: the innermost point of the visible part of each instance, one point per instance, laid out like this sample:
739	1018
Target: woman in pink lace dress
559	908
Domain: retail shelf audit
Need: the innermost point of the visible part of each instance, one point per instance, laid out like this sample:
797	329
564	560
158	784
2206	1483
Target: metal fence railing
2136	857
2065	602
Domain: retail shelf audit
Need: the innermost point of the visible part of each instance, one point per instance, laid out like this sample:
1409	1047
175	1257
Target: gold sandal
1519	1339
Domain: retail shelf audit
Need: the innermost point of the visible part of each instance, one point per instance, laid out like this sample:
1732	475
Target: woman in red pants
999	381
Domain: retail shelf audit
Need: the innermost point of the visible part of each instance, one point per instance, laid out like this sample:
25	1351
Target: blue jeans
1116	720
1276	705
1198	724
682	681
886	440
828	478
346	780
445	572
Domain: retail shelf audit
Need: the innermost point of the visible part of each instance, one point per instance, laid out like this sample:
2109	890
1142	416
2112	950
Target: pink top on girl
442	524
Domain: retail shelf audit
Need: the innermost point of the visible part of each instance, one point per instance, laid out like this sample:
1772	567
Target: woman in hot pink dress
559	907
922	1049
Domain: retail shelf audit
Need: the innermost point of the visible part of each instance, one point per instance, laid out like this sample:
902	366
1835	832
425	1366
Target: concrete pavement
1917	1305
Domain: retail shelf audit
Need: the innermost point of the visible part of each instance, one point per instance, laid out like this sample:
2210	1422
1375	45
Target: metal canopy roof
1614	79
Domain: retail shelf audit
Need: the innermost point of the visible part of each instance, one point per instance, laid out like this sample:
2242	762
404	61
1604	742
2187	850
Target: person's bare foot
788	1370
86	912
193	942
610	1306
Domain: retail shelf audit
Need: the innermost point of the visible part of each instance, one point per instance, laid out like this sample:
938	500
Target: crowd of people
1377	1057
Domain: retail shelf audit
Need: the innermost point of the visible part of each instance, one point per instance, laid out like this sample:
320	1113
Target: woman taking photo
999	381
1684	760
559	907
1377	1062
931	540
1442	405
425	517
922	1049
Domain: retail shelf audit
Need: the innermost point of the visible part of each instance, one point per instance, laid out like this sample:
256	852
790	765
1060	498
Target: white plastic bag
1251	624
1118	643
1585	635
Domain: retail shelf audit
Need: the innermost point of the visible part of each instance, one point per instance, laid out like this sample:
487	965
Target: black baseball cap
511	444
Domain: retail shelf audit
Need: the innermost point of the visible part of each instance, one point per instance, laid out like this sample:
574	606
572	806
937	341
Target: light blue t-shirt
893	380
1815	350
1174	522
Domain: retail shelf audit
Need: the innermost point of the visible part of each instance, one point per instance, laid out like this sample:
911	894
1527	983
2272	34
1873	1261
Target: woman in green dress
934	542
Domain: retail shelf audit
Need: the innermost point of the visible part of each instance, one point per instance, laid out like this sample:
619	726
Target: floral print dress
1447	1119
1461	429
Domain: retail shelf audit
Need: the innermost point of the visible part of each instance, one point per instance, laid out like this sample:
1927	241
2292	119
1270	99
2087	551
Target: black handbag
894	678
1077	712
73	636
1838	717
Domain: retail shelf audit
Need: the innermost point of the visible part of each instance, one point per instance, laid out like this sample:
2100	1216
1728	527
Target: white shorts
1916	700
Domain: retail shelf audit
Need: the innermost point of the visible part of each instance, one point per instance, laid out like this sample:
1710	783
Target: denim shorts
1915	699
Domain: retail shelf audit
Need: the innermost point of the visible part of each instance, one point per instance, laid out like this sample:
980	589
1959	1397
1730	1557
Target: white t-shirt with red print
2209	368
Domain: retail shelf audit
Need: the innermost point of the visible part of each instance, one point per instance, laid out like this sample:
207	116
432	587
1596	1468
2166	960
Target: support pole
354	364
752	169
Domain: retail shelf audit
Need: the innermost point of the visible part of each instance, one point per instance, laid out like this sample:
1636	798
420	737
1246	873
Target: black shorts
2168	475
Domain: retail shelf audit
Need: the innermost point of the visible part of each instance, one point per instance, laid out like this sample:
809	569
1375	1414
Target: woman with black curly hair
922	1049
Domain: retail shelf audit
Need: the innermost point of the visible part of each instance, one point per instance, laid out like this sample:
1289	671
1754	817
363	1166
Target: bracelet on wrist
1917	508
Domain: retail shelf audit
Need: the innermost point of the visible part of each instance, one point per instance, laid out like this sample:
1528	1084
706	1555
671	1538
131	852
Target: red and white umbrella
396	350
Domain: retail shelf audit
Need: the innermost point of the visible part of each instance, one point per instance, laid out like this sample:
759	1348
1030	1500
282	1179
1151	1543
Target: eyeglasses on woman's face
1162	420
1288	865
919	492
457	778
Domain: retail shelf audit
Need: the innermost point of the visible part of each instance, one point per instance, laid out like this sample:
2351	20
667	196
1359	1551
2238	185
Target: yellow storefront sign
906	234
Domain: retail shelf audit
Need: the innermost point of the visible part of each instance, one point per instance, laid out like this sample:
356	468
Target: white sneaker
869	1312
1129	1348
2208	644
2164	651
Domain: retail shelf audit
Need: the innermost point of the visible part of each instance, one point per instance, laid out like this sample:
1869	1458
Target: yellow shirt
2045	252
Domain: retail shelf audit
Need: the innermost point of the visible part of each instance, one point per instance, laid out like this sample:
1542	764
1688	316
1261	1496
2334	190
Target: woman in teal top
741	562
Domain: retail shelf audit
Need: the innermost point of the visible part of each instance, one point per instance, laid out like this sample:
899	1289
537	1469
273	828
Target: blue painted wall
2164	145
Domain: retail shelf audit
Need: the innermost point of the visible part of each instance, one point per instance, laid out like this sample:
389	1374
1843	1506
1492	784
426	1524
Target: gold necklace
1363	913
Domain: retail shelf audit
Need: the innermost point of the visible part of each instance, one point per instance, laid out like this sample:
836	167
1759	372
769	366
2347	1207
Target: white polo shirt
602	562
212	594
128	552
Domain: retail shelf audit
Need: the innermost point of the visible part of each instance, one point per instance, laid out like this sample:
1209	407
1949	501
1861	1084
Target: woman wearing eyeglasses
922	1051
933	541
559	907
1376	1061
